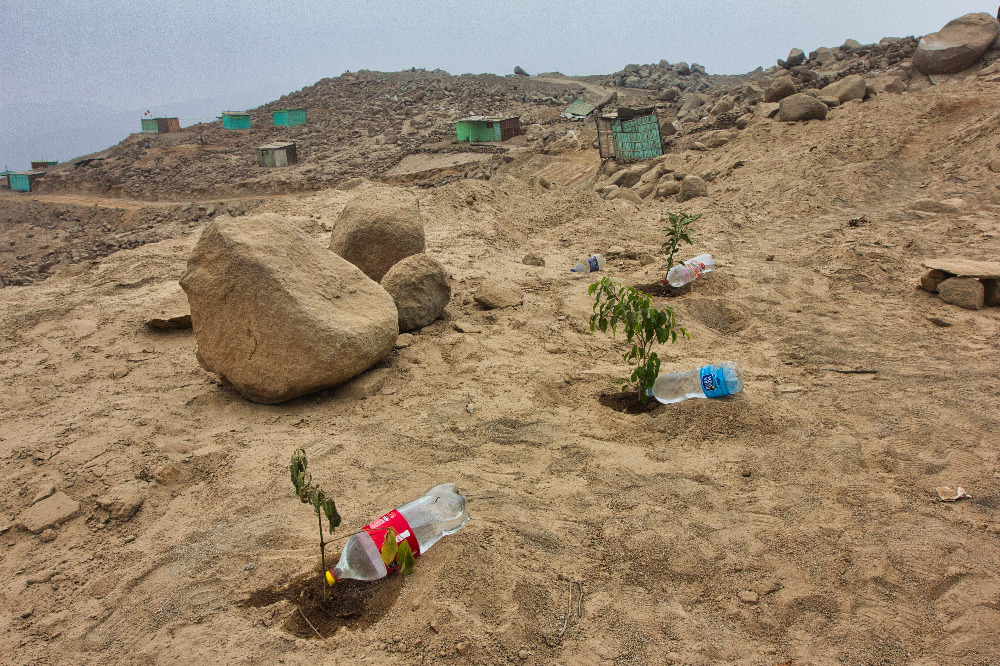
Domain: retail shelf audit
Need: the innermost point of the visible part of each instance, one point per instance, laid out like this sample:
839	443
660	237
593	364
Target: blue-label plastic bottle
710	381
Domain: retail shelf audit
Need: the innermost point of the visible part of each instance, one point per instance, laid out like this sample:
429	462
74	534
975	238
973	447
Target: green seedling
310	493
676	231
644	326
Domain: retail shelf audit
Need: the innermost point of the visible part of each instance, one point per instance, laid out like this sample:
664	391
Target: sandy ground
794	523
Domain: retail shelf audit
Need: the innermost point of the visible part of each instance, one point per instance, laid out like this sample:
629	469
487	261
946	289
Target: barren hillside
793	523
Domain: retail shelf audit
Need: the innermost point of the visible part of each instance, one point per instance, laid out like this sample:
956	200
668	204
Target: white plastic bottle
590	265
710	381
690	270
422	522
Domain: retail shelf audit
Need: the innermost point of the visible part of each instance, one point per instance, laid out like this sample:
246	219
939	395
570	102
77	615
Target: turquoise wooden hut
20	181
289	117
236	120
476	129
629	135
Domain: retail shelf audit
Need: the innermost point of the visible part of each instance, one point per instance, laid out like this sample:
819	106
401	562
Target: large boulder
378	229
801	107
795	58
783	87
847	88
276	315
957	45
419	286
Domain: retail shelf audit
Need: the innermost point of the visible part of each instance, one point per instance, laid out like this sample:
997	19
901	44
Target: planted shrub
644	326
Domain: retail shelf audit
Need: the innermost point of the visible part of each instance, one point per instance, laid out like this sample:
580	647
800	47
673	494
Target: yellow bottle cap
330	579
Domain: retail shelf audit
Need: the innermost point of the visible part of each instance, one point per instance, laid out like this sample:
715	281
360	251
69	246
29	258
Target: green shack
160	125
20	181
478	129
236	120
629	135
289	117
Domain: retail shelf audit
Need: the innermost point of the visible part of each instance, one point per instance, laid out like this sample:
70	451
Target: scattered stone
627	195
783	87
801	107
404	340
364	386
698	145
964	292
691	188
378	229
668	187
352	183
45	491
122	502
795	58
767	109
991	291
931	206
277	316
519	71
933	278
533	259
749	597
744	121
463	647
957	45
419	286
177	322
848	88
50	512
166	475
48	536
829	101
499	294
466	327
523	654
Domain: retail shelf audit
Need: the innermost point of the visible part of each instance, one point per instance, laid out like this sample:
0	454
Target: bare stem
322	554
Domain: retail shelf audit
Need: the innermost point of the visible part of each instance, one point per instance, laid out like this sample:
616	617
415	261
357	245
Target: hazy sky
131	54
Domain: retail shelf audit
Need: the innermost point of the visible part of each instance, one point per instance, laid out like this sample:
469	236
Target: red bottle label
378	528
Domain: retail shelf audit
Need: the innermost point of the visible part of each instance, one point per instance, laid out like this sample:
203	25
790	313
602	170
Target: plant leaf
405	558
389	546
330	510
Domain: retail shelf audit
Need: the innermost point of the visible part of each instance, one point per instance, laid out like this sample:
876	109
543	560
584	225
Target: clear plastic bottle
422	522
710	381
690	270
590	265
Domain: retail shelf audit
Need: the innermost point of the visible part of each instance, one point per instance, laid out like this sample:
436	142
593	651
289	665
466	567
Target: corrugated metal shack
41	164
289	117
160	125
236	120
20	181
578	110
277	154
629	135
478	129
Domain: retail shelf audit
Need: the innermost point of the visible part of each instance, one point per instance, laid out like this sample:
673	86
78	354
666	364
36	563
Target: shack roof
236	113
277	144
579	108
487	119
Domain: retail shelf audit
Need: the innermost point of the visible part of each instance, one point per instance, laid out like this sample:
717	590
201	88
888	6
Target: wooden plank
965	267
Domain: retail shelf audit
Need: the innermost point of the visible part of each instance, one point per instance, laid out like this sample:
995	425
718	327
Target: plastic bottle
710	381
690	270
590	265
422	523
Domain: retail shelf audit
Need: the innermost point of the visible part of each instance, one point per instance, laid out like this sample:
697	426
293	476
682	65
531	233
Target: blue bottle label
713	381
593	264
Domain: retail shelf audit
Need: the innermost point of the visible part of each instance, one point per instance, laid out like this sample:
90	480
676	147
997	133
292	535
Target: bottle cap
330	578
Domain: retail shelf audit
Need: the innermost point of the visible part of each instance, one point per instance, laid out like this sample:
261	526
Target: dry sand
794	523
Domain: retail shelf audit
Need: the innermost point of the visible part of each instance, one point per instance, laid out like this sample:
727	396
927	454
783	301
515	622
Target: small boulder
122	502
801	107
782	87
668	187
795	58
848	88
419	286
519	71
378	229
533	259
52	511
499	294
276	315
767	109
962	291
626	194
691	188
957	45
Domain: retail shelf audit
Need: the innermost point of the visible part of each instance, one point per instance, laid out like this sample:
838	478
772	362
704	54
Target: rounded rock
378	229
419	286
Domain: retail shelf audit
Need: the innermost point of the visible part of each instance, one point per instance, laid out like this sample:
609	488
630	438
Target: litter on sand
949	494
